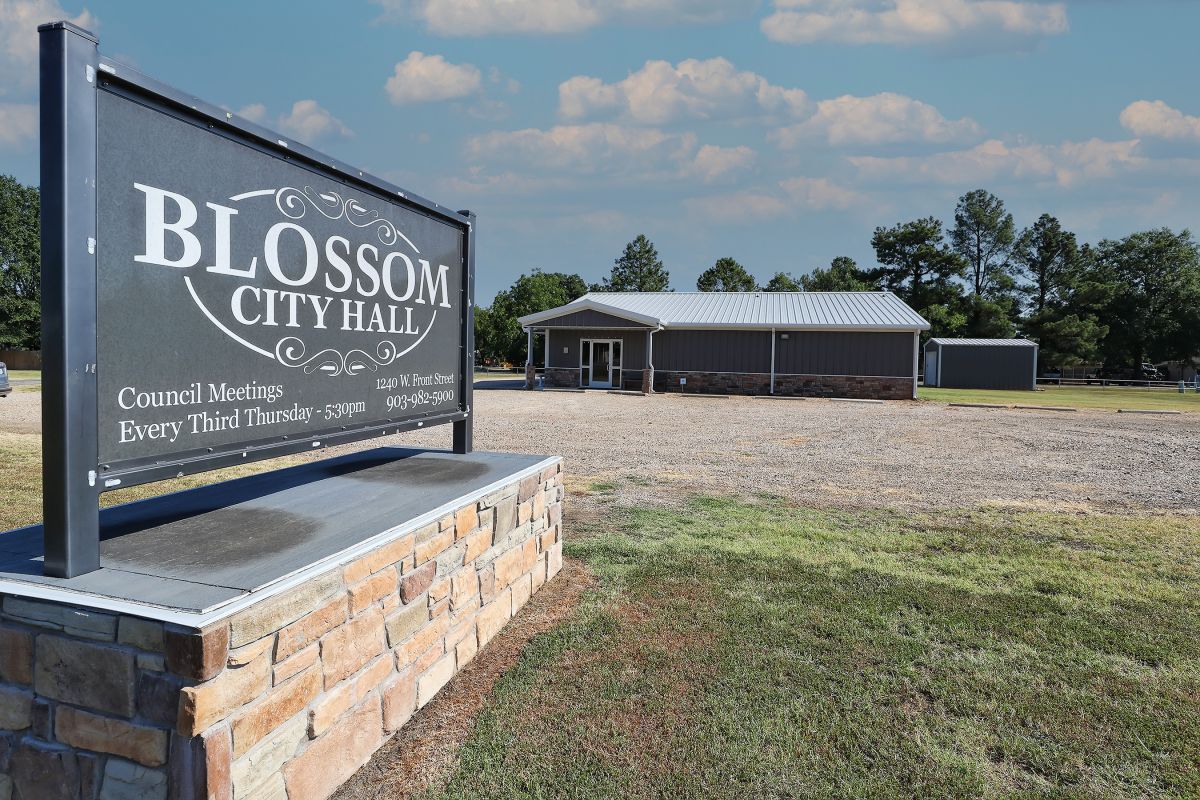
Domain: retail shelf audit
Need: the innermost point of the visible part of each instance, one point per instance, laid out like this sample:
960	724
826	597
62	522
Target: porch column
648	372
530	371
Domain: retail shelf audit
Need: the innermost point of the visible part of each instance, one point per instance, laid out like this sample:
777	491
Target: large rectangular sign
240	297
243	298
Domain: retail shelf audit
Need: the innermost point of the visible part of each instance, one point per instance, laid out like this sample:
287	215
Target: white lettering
221	216
157	228
236	303
432	284
271	254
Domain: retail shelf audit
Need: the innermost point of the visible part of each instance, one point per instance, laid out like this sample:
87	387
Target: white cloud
712	163
878	119
255	112
307	121
820	194
611	150
1066	164
742	207
1155	119
763	203
694	89
484	17
18	125
914	22
422	78
19	38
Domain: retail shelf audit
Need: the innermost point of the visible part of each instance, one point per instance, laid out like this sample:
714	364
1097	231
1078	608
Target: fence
21	359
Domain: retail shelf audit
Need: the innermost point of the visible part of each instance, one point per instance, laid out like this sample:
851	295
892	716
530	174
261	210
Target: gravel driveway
816	452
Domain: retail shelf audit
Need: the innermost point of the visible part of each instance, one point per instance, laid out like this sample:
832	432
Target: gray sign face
243	298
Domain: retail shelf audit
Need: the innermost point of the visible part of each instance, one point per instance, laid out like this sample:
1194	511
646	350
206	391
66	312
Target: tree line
1117	302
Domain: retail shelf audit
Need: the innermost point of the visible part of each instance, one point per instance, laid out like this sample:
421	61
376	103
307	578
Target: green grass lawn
21	480
24	374
759	650
1106	397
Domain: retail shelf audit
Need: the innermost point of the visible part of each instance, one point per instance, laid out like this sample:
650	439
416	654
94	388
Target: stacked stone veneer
852	386
560	378
283	699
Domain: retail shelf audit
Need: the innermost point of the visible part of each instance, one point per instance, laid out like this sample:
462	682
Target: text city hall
392	273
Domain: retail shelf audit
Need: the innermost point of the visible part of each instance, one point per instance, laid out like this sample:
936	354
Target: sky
778	132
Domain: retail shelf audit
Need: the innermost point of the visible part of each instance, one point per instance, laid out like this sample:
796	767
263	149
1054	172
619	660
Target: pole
464	429
70	498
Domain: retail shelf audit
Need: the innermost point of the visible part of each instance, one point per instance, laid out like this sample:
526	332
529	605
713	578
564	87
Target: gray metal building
981	363
831	344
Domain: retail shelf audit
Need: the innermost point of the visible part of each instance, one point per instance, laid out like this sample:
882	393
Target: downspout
772	361
1035	362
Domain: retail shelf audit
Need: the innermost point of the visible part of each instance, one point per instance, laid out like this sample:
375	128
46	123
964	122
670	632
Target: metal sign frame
72	71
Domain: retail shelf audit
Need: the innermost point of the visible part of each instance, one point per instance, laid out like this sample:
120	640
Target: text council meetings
130	397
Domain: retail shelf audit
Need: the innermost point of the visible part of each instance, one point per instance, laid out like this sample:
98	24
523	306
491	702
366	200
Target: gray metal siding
984	367
633	355
587	318
712	351
829	353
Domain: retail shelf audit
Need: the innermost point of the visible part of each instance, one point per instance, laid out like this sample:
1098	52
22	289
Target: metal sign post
69	60
216	294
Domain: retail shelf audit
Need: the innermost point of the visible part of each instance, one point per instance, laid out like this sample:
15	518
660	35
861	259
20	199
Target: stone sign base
284	691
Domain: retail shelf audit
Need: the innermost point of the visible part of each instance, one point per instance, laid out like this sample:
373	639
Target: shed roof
983	342
811	310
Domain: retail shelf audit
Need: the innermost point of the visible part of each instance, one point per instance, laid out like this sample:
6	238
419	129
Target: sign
240	296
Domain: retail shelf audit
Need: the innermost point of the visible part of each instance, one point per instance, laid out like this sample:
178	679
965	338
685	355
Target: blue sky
779	132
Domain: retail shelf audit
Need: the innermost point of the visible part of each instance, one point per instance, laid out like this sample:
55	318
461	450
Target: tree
1148	288
638	269
783	282
843	275
1065	340
498	334
727	275
916	263
1045	255
20	266
983	234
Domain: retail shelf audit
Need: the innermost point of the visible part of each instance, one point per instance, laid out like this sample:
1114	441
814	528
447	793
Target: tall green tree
1065	340
1149	289
20	266
783	282
983	235
917	264
1045	256
843	275
727	275
498	334
638	269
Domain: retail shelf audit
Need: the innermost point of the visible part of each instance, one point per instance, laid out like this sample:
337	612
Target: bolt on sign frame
132	269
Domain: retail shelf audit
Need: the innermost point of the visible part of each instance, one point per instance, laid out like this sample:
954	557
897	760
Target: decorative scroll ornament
291	352
293	203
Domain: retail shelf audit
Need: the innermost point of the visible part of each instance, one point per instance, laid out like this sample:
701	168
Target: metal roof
810	310
984	342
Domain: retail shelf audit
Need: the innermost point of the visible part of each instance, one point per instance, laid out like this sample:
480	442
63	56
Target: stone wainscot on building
822	344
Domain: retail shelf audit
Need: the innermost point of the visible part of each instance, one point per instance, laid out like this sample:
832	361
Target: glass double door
600	363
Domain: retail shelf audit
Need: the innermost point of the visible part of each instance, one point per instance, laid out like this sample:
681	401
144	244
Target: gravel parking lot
817	452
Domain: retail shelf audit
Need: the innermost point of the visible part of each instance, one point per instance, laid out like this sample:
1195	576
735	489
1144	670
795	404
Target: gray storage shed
981	363
826	344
